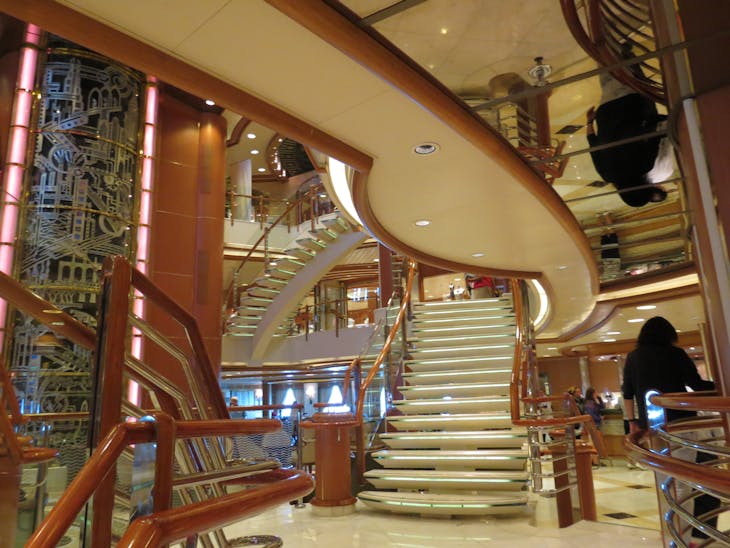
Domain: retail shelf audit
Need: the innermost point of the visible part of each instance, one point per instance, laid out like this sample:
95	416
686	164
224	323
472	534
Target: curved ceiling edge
106	40
341	33
359	196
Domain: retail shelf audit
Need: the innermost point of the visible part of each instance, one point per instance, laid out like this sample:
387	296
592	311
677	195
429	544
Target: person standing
657	364
593	405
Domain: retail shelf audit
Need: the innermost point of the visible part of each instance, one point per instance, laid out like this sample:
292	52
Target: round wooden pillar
332	491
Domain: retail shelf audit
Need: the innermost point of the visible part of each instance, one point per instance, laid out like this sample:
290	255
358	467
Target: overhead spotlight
210	102
422	222
425	149
251	135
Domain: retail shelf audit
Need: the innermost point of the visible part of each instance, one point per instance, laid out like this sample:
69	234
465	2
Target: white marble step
460	421
324	234
337	224
456	440
300	253
425	333
502	480
455	390
461	339
429	321
312	243
441	459
270	281
460	363
453	405
489	349
445	504
259	291
504	301
484	375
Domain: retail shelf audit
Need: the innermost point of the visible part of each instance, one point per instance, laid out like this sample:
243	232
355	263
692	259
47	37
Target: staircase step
503	480
324	234
425	333
311	243
270	281
467	376
452	340
455	390
249	300
455	440
440	459
260	291
337	223
461	364
301	253
445	318
453	405
504	349
445	504
456	421
505	301
289	264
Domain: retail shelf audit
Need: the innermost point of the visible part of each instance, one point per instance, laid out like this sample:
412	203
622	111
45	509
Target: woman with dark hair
593	406
657	364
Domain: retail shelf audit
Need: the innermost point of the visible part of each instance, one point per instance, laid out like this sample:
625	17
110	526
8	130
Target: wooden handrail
314	189
103	461
272	407
165	527
594	43
713	478
46	313
693	401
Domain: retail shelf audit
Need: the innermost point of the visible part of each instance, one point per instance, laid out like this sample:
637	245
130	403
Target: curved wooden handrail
712	478
693	401
314	189
204	373
165	527
49	315
594	43
272	407
386	346
104	458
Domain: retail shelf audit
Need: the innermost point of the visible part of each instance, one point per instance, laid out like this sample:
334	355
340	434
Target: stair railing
671	450
603	27
231	293
165	431
364	386
551	421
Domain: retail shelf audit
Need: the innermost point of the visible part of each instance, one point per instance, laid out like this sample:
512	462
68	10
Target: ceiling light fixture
251	135
477	255
210	102
646	307
609	340
261	169
635	320
254	151
562	267
422	222
425	149
613	332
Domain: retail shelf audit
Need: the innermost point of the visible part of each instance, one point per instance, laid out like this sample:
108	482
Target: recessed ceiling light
210	102
613	332
609	340
477	255
562	267
691	347
552	347
261	169
254	151
646	307
425	148
422	222
635	320
444	30
376	260
251	135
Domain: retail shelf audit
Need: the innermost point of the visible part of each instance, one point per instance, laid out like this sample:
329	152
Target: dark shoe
658	195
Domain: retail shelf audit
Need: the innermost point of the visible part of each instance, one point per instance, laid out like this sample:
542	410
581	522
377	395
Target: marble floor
625	499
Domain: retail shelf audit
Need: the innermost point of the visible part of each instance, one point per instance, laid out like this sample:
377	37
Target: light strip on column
145	213
16	156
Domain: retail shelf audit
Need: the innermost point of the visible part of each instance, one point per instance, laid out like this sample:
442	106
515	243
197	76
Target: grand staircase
265	289
451	447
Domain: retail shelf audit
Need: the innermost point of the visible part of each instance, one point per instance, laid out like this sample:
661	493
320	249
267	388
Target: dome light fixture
424	149
422	222
210	102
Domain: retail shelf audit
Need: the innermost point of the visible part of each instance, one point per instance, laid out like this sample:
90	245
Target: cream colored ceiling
474	205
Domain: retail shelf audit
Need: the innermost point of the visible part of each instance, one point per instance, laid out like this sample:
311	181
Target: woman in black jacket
657	364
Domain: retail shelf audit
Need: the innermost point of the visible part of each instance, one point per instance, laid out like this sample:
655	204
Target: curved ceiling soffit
361	46
106	40
604	310
237	131
359	196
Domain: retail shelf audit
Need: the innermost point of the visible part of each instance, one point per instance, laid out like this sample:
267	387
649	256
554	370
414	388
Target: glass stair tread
455	440
445	504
